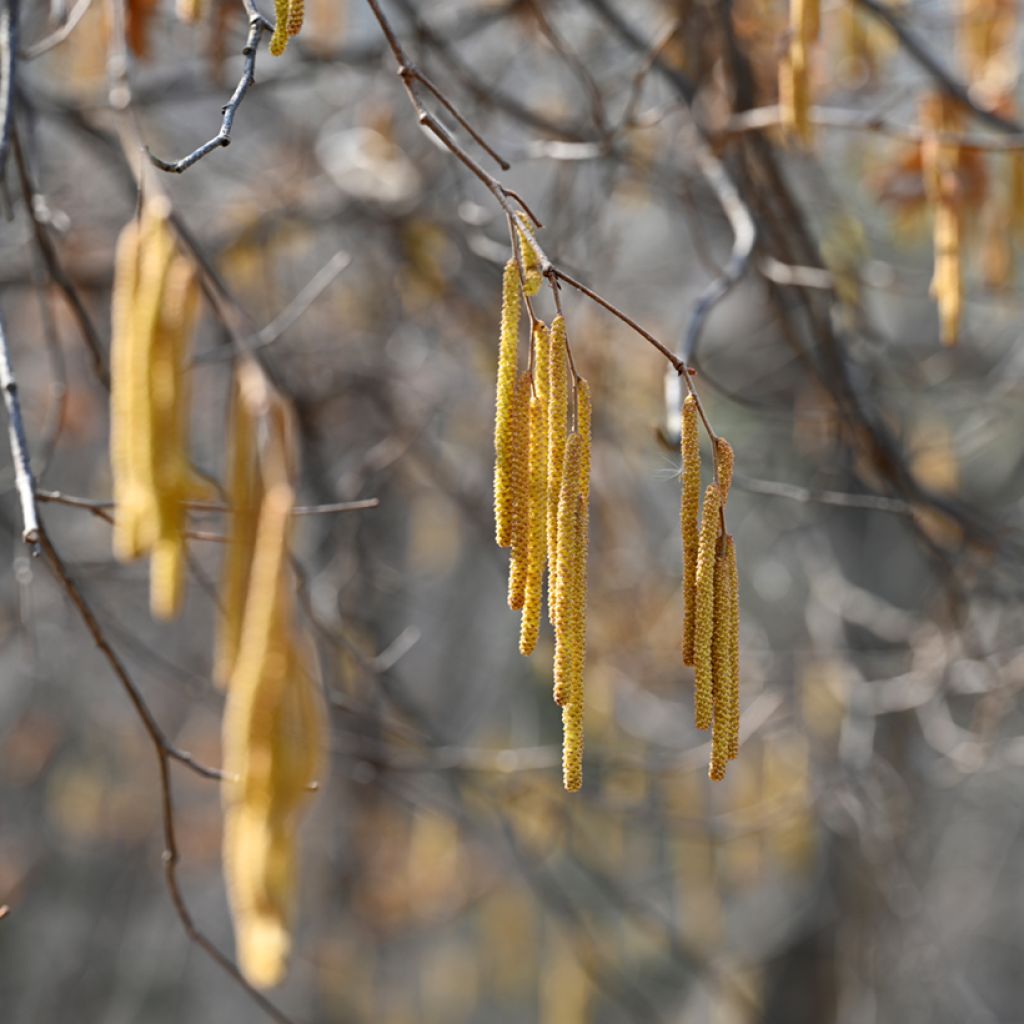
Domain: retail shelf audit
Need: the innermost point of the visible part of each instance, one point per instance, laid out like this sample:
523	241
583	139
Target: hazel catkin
279	40
518	484
704	607
557	414
726	462
565	579
733	694
504	439
688	514
721	664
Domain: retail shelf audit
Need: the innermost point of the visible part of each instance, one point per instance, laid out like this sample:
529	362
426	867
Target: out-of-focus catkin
519	489
704	606
689	514
557	415
504	437
244	495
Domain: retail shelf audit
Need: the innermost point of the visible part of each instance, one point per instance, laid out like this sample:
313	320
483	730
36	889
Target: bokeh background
863	860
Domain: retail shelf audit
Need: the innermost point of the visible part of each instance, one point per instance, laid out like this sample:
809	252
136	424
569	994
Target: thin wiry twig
794	492
257	26
8	54
19	447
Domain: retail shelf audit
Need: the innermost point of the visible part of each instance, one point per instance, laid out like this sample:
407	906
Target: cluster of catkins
273	717
542	495
288	16
711	623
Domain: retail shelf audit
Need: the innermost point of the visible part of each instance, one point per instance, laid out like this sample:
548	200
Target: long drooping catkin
704	606
733	700
583	418
537	554
557	414
572	745
172	474
688	515
721	665
519	489
504	438
244	495
565	576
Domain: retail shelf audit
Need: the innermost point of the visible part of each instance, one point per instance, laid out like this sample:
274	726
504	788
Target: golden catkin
583	418
504	439
565	565
172	474
532	277
279	40
557	414
726	462
296	14
538	504
244	494
721	666
689	514
572	746
519	489
704	607
733	701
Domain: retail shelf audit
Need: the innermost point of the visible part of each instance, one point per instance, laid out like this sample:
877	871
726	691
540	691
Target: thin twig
313	289
8	54
794	492
257	25
19	447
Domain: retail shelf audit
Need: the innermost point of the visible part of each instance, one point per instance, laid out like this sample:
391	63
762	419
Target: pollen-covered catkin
565	574
583	418
557	414
532	277
733	697
519	489
296	13
689	514
704	607
721	666
537	553
279	40
726	461
504	438
572	746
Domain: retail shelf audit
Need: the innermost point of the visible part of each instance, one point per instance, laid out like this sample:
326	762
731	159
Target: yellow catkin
565	565
721	665
688	515
537	554
504	438
172	472
733	701
296	13
532	277
726	462
583	417
244	493
577	610
279	40
258	854
704	607
572	746
519	489
126	511
557	415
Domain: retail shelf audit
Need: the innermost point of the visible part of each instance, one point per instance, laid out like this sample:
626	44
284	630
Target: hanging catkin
566	566
244	496
721	665
296	13
726	462
531	261
557	414
733	701
538	504
519	489
279	40
705	607
688	515
504	438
